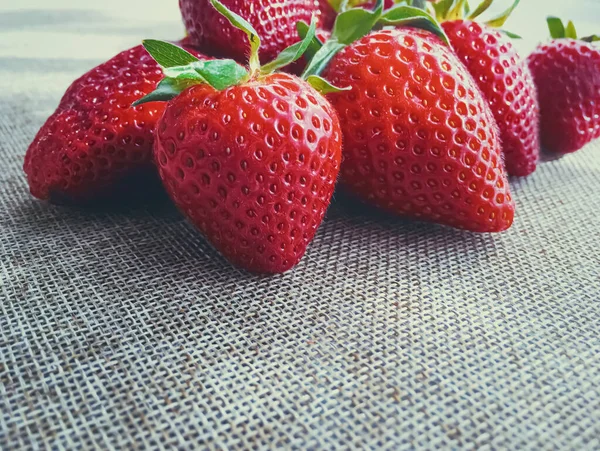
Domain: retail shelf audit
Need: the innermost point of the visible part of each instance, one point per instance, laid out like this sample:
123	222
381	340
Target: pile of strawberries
266	105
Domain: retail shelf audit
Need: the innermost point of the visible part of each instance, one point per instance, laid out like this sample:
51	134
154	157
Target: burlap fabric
120	327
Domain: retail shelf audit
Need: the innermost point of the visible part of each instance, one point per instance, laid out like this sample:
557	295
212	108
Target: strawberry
94	140
566	71
419	138
503	77
250	157
275	21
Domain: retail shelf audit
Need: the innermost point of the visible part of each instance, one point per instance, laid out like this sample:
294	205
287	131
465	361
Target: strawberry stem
481	8
242	24
499	20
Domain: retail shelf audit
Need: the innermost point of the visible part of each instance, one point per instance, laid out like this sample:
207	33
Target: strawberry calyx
340	6
446	10
558	30
354	23
183	70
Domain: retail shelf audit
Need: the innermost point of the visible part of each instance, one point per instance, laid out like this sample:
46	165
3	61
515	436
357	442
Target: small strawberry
275	21
250	157
419	138
567	74
94	140
503	77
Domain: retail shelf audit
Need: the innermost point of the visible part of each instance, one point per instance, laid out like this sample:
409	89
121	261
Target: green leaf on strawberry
481	8
355	23
220	74
592	38
570	31
166	89
242	24
323	86
314	45
556	27
457	11
182	70
499	20
293	52
415	17
442	8
168	55
510	34
558	30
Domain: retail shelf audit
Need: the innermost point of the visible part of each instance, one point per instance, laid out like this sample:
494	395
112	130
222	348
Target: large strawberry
567	74
94	140
503	77
274	20
250	157
419	138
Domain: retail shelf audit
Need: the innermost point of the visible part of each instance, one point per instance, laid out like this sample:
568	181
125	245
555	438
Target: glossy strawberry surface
274	20
567	75
253	167
419	138
95	139
507	84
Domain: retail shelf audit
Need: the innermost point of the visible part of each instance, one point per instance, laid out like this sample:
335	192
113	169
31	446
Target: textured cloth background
121	327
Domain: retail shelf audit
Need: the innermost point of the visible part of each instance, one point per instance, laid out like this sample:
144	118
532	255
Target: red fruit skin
323	35
419	139
507	84
95	140
567	75
328	14
274	21
253	167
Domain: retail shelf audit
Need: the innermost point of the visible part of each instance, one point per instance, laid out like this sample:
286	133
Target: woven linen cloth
121	327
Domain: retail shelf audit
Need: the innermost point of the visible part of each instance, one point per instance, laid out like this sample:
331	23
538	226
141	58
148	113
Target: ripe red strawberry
419	139
253	167
567	74
251	158
507	85
274	20
503	77
95	140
